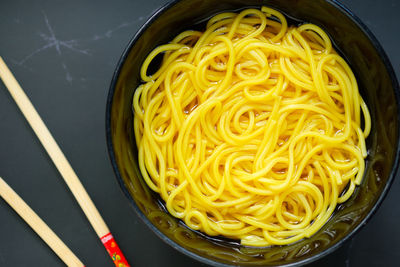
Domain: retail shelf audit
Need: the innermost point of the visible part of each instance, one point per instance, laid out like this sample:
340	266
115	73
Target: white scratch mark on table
109	33
68	76
52	38
51	41
22	62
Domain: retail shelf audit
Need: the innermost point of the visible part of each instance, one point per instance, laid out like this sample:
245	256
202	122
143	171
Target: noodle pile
251	129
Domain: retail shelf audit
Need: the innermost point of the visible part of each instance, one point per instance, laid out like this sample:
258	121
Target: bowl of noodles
254	132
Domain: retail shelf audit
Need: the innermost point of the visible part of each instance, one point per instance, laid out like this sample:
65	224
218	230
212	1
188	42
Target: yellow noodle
252	128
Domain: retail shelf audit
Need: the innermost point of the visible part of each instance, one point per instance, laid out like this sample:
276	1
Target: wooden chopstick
38	225
62	164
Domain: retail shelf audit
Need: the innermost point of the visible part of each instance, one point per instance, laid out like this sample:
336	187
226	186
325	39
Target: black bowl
377	83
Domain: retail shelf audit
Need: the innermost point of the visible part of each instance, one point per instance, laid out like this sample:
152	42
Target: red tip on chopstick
62	164
114	251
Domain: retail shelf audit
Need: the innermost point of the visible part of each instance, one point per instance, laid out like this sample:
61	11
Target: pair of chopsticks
69	176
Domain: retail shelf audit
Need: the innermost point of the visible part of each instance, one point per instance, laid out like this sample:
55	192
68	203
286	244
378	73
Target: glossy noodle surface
251	129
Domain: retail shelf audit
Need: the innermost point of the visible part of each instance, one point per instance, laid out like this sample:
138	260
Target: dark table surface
64	53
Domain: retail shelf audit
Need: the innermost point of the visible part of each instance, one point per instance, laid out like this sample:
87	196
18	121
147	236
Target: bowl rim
157	13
